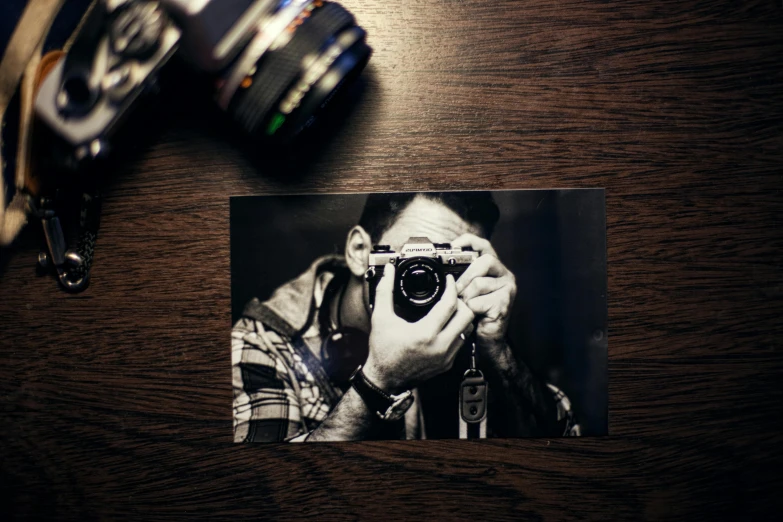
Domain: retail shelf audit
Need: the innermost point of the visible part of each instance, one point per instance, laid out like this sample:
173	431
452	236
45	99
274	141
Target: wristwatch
387	407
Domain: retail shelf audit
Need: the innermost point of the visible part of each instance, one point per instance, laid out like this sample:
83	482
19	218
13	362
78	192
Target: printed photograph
421	315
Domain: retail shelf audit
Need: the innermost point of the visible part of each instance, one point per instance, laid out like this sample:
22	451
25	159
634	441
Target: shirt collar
294	301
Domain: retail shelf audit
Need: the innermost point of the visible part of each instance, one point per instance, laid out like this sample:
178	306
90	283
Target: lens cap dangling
342	352
343	348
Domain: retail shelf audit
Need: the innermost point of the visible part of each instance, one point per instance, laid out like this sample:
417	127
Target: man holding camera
320	361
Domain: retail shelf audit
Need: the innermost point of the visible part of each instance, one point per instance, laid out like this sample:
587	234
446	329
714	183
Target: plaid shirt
281	391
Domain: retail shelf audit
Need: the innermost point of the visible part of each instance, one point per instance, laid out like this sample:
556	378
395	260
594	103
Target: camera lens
419	285
419	282
312	58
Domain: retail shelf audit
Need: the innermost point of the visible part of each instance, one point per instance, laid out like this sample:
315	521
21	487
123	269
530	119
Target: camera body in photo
422	267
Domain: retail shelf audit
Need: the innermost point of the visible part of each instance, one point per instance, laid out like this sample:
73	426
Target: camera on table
273	64
420	280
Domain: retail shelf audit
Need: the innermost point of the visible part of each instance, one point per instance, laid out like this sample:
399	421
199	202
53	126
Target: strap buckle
473	393
72	268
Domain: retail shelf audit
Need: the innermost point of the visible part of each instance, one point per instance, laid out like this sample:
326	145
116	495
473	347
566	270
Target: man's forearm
351	419
525	401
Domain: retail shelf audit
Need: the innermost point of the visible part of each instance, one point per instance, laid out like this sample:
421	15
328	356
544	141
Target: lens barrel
291	83
420	284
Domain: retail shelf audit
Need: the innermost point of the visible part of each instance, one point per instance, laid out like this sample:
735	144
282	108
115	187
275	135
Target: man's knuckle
427	338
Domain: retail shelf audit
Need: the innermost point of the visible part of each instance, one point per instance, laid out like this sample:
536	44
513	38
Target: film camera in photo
420	280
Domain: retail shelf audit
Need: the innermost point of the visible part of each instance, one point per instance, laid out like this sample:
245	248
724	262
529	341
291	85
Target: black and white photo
424	315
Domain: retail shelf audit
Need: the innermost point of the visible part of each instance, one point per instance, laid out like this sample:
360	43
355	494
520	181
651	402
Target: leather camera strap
473	395
21	60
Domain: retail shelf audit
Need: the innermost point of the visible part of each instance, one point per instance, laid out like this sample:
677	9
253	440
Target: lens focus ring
282	67
420	282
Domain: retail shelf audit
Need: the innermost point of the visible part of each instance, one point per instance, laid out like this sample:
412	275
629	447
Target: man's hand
488	288
404	354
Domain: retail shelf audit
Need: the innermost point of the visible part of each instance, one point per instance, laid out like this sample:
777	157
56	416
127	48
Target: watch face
399	407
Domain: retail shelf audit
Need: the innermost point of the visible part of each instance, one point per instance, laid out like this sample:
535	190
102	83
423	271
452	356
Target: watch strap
375	398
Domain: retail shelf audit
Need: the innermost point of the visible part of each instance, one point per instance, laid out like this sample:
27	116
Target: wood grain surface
116	403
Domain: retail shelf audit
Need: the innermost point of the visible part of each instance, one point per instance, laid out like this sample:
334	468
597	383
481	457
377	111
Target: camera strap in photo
473	393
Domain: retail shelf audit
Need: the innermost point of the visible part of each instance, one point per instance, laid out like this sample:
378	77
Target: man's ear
357	250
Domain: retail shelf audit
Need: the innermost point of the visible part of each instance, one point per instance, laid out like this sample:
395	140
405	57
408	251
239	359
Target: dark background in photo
554	241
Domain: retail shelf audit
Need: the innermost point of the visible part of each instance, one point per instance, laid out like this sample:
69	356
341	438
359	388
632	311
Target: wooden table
117	402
